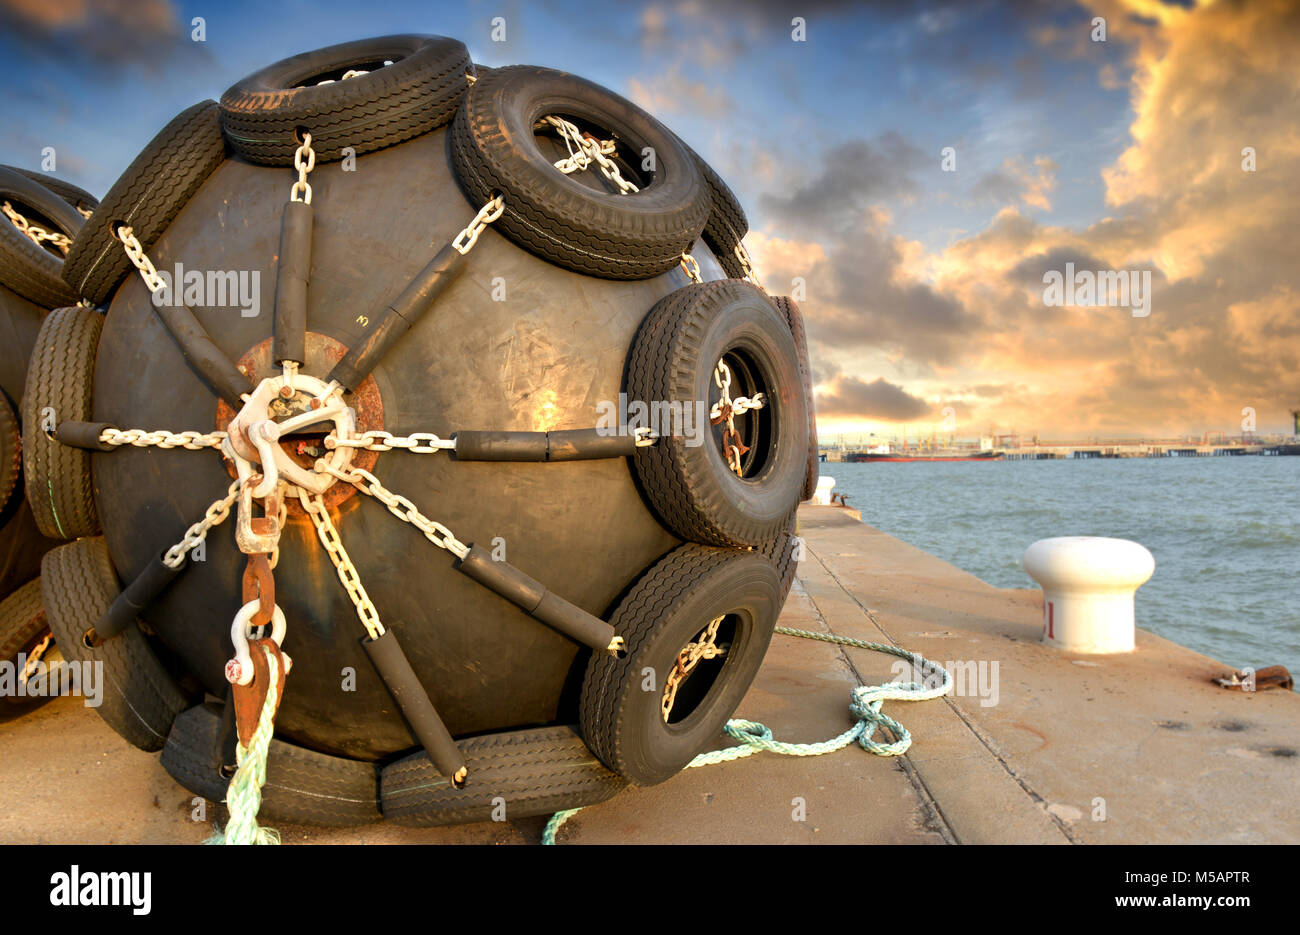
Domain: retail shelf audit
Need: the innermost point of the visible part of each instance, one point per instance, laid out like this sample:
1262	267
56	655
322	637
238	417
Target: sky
910	172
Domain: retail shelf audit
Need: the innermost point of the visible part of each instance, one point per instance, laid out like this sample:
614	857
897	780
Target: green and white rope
244	796
865	707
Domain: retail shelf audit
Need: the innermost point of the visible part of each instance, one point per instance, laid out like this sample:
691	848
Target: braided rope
244	797
865	707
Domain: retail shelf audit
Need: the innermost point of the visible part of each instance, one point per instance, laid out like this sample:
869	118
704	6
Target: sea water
1225	533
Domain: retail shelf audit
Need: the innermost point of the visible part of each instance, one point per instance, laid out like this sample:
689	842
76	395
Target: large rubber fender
541	359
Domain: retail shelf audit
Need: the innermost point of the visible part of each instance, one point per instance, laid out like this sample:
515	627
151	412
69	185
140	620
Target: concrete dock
1036	746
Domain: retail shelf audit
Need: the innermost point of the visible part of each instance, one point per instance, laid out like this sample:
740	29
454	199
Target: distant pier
1057	452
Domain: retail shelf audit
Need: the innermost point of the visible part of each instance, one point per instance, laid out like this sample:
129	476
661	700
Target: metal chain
692	654
35	656
466	239
142	262
35	232
589	150
140	438
399	506
751	275
691	267
301	191
351	73
214	516
726	409
281	515
420	443
314	504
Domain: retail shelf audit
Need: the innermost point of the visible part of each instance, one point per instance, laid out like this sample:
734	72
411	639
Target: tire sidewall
752	326
520	97
278	86
652	750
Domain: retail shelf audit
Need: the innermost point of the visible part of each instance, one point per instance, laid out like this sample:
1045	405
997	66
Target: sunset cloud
1218	240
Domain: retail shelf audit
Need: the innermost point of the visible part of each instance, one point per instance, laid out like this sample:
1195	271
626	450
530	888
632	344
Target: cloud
106	33
852	175
673	92
1224	329
850	396
1016	180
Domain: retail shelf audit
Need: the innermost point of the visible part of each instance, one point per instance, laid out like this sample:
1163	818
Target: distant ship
942	454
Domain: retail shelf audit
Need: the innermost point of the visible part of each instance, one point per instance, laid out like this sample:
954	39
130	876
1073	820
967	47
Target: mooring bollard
1088	586
822	495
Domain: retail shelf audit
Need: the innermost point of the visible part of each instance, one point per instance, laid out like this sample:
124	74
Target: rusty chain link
692	655
726	409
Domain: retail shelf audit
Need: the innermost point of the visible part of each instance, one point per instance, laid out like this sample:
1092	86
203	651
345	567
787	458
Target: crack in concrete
932	816
984	740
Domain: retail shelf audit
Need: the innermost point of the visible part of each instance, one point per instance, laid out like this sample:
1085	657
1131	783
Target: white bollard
822	495
1088	586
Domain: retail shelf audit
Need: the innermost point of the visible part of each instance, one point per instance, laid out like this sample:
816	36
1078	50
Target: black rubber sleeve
137	595
199	351
563	445
588	444
405	311
83	435
530	595
394	668
291	278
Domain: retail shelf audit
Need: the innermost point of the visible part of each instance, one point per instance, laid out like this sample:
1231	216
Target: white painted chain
739	405
34	232
314	504
420	443
301	191
466	239
399	506
352	73
751	275
142	262
214	516
588	150
140	438
691	267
